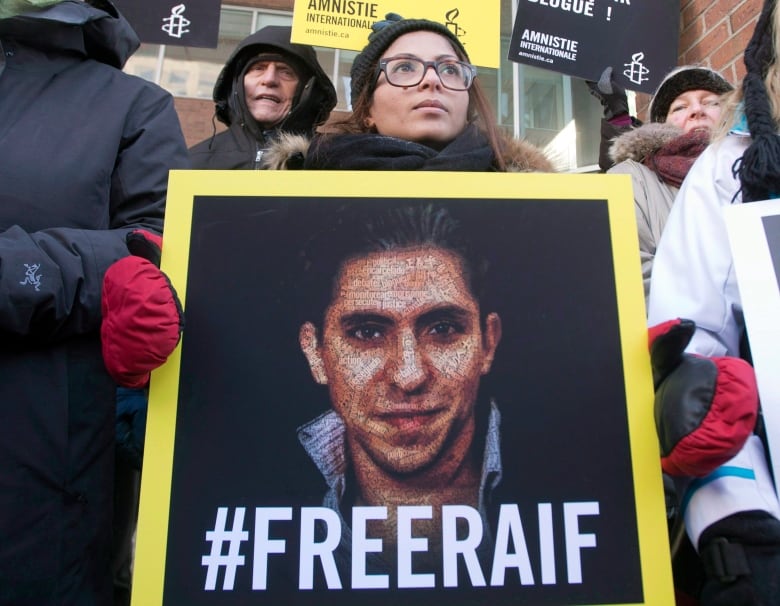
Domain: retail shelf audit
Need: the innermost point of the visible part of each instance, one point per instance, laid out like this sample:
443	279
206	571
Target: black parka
85	150
243	144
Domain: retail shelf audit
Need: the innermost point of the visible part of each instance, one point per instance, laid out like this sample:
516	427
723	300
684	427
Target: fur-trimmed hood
638	143
523	157
289	151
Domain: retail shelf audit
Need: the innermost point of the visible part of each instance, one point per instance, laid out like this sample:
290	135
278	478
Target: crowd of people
87	314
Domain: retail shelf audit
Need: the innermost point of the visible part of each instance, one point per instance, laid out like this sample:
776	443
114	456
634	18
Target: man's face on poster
402	351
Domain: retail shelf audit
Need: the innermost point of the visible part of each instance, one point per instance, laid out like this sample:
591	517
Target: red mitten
705	408
142	315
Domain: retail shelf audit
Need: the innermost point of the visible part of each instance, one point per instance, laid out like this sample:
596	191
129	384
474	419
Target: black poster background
617	31
147	18
771	225
557	378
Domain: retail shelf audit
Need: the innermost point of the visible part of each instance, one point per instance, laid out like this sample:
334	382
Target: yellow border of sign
616	189
346	24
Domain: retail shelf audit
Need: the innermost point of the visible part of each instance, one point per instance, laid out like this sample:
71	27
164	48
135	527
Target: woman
659	154
734	505
417	105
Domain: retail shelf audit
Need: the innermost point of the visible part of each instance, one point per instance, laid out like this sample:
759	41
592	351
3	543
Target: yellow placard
226	485
346	24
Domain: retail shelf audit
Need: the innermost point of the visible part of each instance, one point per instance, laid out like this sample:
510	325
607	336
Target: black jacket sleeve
51	279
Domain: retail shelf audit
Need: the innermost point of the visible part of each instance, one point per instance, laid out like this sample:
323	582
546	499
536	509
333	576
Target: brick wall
713	34
195	116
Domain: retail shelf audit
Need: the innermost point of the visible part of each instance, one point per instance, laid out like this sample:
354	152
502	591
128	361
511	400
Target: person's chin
435	138
267	115
703	126
408	460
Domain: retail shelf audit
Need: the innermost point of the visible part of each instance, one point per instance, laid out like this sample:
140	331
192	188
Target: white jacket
693	277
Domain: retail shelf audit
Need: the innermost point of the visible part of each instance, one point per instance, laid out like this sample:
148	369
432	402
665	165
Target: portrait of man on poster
402	345
401	399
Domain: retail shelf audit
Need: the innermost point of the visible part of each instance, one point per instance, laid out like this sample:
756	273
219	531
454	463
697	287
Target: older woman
658	155
417	105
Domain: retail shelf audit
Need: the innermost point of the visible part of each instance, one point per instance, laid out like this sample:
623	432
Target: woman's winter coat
87	150
653	197
469	151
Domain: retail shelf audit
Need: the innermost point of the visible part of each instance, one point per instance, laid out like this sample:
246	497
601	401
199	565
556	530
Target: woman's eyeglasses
410	71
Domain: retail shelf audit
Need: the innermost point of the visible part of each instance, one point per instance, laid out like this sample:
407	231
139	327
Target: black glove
611	95
705	407
741	558
131	408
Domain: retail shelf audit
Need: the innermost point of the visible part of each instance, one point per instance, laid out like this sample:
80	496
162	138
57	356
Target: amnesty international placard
754	236
582	37
192	23
346	24
403	388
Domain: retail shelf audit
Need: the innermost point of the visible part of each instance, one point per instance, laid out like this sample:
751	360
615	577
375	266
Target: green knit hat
383	35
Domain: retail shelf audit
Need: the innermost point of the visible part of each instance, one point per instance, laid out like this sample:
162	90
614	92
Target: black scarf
469	151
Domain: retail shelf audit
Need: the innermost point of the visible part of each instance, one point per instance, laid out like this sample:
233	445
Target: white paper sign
754	234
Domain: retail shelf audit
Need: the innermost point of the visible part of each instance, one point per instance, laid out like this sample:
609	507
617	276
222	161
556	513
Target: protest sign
195	23
301	439
754	235
346	24
582	37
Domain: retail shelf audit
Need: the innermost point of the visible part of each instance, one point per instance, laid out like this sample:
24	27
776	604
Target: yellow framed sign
346	24
403	388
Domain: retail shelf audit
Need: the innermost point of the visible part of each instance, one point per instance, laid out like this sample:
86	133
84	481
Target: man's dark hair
356	229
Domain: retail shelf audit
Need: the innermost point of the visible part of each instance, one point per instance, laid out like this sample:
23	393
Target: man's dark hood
314	100
107	36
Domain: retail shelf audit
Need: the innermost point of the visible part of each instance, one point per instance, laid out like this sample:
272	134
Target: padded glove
611	95
142	315
705	408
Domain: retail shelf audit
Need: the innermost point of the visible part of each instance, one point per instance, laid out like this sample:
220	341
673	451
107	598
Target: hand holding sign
610	94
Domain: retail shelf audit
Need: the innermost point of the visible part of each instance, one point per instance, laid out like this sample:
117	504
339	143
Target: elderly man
268	86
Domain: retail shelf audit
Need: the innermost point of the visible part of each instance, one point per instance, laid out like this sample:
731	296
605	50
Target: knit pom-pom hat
681	80
759	168
383	35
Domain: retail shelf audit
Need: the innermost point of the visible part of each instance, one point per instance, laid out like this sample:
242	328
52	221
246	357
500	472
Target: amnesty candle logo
176	25
346	24
190	23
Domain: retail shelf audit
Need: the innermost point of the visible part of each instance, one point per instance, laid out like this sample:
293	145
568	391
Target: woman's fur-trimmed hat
681	80
383	35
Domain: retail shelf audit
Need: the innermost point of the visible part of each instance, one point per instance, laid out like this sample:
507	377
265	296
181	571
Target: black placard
191	23
582	37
